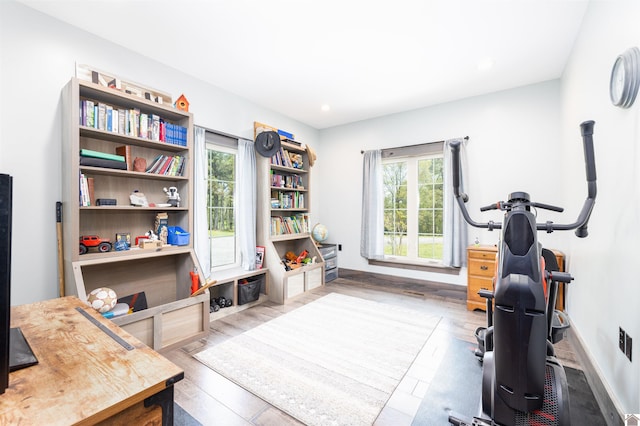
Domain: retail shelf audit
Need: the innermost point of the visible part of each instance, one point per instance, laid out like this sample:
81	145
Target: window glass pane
425	171
395	244
395	185
430	204
425	222
426	196
437	167
221	207
438	196
438	222
421	226
395	214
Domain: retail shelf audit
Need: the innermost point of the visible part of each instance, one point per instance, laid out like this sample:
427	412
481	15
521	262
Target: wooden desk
84	376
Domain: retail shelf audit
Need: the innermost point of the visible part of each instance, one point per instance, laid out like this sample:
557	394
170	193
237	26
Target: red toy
88	241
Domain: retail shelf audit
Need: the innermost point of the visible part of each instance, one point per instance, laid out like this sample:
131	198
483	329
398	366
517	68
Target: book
155	128
153	163
99	154
103	162
108	125
125	151
102	116
137	302
115	121
122	116
84	191
165	166
144	126
91	191
90	114
157	164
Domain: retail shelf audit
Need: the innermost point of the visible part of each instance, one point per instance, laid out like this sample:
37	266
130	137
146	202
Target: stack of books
102	159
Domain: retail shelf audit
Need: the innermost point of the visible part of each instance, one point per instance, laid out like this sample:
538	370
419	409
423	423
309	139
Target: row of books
287	159
286	181
297	224
86	191
168	165
130	122
287	200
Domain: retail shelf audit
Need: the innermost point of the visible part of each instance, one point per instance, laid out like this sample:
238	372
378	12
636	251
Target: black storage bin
249	291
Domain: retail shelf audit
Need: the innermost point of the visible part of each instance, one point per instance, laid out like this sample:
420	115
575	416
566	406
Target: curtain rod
218	132
419	144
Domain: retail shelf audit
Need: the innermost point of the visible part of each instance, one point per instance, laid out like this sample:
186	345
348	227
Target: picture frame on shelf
259	257
124	236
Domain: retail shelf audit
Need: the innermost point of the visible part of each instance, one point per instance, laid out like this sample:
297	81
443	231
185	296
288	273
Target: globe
319	233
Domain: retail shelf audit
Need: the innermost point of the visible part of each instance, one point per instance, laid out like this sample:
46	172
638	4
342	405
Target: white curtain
200	233
455	228
372	228
246	206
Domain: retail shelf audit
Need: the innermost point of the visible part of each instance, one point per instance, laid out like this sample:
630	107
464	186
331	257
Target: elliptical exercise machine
522	381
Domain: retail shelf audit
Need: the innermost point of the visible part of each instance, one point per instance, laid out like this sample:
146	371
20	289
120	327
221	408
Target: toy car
88	241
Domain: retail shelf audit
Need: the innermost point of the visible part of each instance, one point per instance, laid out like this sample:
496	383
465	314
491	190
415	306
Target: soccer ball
102	299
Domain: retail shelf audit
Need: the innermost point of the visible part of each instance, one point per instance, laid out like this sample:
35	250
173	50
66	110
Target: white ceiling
363	58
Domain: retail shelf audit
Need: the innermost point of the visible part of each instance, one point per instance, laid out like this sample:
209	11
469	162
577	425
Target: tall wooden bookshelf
163	273
283	221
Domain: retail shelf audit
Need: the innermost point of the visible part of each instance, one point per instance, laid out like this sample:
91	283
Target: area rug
336	360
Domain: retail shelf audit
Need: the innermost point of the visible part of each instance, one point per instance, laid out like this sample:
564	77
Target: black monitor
6	189
15	352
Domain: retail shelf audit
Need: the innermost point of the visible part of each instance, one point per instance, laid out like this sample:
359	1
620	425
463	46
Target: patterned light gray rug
336	360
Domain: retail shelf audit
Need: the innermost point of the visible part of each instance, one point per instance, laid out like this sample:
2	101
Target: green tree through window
413	207
221	206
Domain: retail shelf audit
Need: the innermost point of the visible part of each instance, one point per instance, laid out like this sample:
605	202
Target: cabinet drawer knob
484	267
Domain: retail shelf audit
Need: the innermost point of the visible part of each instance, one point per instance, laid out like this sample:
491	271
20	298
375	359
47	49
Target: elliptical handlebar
580	225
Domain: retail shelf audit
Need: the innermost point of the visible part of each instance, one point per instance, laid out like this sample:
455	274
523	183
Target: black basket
249	291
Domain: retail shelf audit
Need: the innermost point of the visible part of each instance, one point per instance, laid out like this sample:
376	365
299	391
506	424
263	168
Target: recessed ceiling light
485	64
325	108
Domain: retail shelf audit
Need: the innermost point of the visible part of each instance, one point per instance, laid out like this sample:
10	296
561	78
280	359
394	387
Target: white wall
37	57
606	293
511	134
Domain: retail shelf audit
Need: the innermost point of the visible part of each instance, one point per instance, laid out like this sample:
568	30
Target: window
413	208
221	205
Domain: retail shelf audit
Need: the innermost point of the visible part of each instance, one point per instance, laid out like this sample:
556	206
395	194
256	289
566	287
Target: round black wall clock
625	78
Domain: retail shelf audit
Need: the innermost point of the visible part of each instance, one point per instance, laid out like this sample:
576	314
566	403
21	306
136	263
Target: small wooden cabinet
481	268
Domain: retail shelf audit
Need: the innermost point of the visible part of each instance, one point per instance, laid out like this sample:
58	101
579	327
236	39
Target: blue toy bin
177	236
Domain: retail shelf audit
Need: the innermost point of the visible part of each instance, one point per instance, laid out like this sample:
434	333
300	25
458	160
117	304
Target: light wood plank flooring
212	399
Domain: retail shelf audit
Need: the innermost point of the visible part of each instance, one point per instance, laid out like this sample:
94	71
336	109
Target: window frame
413	155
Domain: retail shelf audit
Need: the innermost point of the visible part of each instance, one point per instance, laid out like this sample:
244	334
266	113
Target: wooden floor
212	399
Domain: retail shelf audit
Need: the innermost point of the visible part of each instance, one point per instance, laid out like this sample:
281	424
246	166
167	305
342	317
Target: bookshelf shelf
162	274
135	209
283	189
282	230
287	237
288	169
132	174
